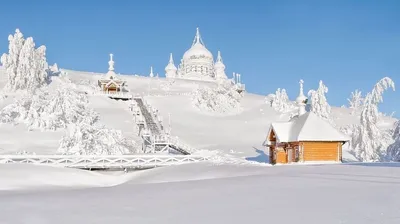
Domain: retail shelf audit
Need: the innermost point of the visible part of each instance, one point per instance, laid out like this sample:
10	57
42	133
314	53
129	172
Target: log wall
322	151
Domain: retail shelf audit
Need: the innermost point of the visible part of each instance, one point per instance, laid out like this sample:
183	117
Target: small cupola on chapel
301	100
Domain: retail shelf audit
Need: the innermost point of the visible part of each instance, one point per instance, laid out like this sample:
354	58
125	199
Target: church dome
197	51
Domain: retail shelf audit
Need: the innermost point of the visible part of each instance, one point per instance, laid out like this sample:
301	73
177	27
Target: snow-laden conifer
280	101
25	65
393	152
369	142
319	104
356	101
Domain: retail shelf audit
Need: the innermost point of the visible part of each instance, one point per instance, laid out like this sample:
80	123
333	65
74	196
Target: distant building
197	63
110	84
305	138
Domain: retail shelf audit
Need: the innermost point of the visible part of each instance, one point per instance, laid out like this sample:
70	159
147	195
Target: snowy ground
203	193
242	187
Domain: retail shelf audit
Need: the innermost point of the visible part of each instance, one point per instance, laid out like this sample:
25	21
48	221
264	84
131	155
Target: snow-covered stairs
151	124
179	149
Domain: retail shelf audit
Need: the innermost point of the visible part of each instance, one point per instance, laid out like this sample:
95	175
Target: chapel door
290	155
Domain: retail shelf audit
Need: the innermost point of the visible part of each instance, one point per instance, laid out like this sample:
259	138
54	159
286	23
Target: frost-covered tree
319	104
393	152
223	99
93	139
280	101
48	110
10	61
356	101
369	142
25	65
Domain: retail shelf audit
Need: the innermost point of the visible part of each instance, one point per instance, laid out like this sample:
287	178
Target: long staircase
156	132
179	149
151	124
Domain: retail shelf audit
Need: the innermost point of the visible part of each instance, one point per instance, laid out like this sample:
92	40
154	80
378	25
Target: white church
197	63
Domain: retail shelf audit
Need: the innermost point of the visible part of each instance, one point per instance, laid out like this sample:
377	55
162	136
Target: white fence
103	162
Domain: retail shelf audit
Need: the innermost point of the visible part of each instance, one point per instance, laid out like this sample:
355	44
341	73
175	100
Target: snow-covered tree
10	61
280	101
370	142
393	152
223	99
48	110
319	104
356	101
25	66
93	139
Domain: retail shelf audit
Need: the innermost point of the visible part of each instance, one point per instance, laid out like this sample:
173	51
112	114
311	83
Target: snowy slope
240	134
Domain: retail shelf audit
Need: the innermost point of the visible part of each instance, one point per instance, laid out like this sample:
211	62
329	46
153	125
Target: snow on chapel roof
307	127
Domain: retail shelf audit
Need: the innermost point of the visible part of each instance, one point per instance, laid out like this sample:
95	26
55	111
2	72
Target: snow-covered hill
238	186
240	134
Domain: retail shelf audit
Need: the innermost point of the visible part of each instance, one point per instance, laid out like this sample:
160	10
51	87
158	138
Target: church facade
197	63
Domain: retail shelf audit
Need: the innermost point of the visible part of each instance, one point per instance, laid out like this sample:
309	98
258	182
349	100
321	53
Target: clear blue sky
348	44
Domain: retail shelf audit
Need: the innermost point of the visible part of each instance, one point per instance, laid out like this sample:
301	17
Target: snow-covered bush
319	104
94	139
280	101
25	65
49	111
369	142
223	99
356	101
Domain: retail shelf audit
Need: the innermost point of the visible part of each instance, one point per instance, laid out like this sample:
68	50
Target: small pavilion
110	84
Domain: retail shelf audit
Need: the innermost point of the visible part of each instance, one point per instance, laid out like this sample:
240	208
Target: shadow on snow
261	158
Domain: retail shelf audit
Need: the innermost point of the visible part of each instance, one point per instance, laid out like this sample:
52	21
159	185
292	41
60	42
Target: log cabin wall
321	151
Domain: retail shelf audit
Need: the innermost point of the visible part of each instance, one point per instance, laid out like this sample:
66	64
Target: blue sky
348	44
